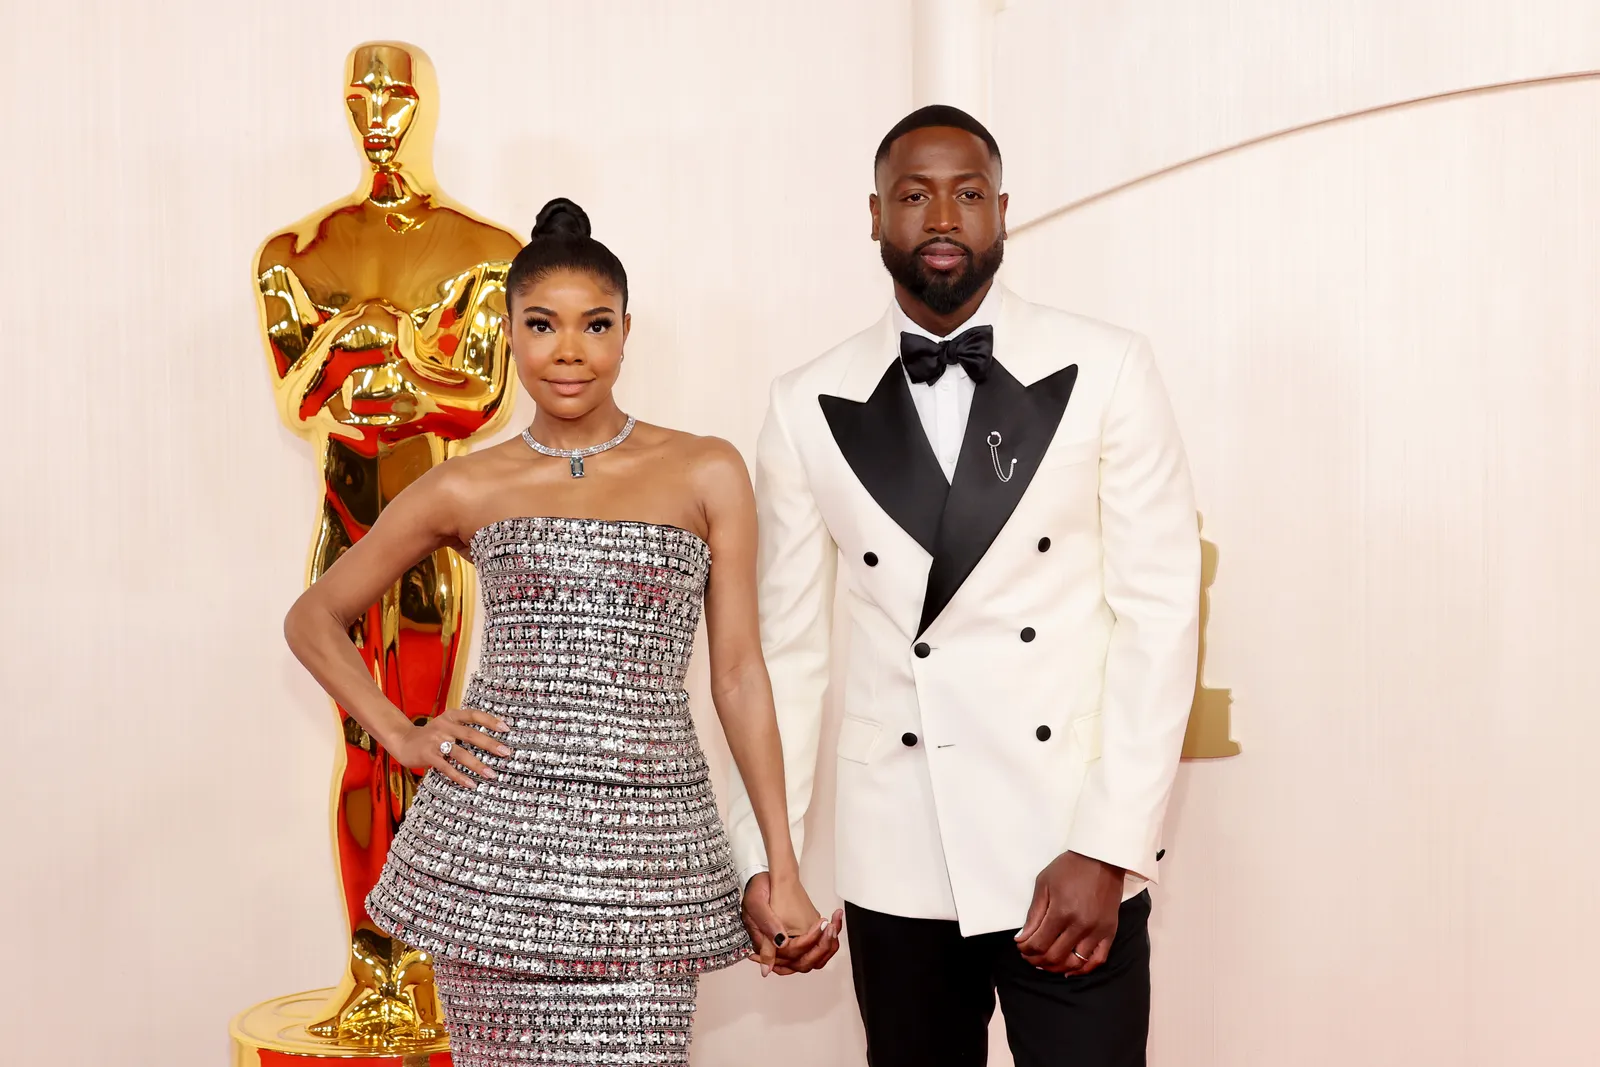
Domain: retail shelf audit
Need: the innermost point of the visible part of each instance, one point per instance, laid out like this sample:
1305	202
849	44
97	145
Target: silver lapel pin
994	454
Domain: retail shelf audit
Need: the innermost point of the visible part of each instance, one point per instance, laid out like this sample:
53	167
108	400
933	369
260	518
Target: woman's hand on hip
446	744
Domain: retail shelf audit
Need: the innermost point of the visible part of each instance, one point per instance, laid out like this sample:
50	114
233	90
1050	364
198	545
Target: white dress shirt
943	406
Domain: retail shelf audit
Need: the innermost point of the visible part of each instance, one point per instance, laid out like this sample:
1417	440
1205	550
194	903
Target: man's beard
942	293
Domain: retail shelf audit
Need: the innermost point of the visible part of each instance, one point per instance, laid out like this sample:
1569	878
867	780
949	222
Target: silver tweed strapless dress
571	903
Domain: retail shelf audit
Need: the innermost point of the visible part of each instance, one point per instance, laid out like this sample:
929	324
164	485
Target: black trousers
927	995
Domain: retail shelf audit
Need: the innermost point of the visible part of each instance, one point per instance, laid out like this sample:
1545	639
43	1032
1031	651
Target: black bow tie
926	360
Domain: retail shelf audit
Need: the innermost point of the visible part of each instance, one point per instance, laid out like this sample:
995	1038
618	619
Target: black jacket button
922	650
1028	634
1042	733
870	559
908	740
1044	544
1159	854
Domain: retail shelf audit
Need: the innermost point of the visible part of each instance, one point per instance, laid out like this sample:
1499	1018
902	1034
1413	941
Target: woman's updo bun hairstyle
561	218
561	241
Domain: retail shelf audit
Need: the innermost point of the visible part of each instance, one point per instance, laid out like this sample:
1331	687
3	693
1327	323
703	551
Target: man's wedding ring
445	748
1080	955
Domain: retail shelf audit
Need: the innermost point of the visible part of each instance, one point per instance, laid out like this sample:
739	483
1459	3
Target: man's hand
1073	919
801	951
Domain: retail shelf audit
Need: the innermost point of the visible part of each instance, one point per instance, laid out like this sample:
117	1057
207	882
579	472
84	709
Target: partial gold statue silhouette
1210	732
382	315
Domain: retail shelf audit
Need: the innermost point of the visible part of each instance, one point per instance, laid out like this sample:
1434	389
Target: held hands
1073	919
422	746
780	909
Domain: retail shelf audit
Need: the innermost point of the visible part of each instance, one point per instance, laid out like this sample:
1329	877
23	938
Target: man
1006	486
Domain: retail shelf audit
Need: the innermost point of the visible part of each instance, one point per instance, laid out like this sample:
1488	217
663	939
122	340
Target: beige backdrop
1379	336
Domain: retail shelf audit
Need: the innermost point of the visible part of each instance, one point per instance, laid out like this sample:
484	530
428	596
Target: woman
564	861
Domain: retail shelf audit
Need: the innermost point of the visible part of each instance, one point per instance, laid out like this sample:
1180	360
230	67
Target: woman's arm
742	693
740	687
419	521
796	561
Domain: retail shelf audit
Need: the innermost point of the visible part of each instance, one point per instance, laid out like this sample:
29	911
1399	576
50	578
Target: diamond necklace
576	455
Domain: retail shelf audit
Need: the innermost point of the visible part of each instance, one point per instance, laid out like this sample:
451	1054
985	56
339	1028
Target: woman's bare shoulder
706	461
463	484
482	468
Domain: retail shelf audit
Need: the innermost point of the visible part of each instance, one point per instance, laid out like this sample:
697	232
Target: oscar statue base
274	1035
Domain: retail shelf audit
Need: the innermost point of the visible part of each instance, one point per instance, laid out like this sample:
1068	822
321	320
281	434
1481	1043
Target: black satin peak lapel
883	441
979	503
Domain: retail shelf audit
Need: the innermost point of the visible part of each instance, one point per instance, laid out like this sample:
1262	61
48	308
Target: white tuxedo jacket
1021	654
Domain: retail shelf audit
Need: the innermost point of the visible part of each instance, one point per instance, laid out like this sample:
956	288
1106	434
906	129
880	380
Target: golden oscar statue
382	317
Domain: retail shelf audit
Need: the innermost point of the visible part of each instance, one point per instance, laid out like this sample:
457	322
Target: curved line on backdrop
1227	150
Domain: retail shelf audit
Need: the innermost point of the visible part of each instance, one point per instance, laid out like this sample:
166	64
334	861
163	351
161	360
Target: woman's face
567	331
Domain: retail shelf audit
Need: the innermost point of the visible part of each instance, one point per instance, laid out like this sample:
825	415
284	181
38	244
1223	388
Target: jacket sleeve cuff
1131	847
747	873
749	857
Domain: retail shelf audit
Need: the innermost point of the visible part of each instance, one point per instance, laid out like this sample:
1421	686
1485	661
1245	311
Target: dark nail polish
779	940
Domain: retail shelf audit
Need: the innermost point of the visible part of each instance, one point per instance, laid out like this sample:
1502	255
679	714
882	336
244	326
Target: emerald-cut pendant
577	466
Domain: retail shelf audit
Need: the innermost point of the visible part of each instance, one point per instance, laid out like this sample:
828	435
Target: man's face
939	216
382	101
